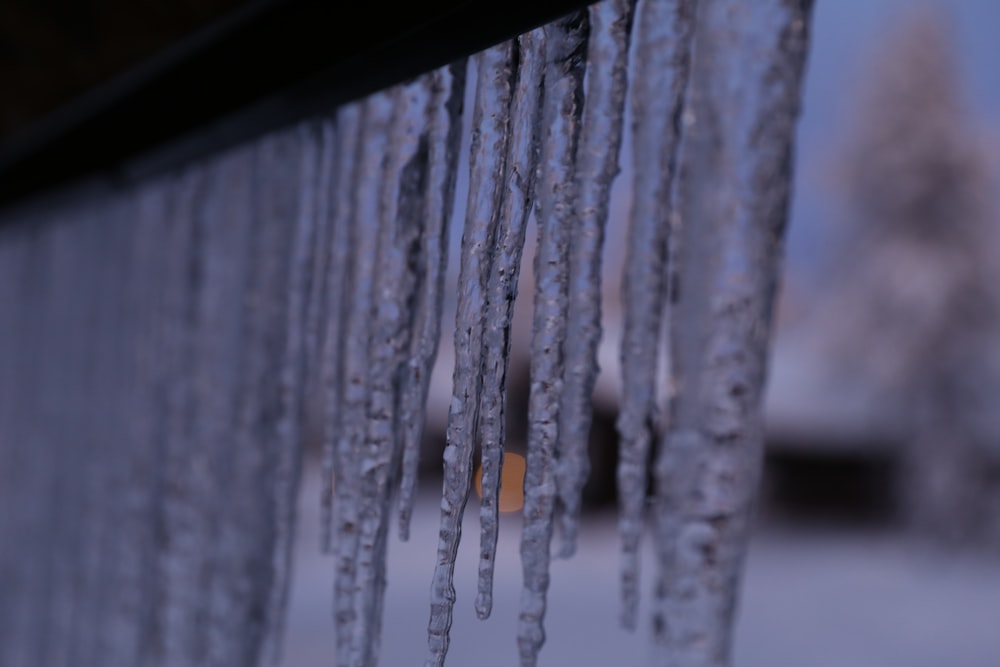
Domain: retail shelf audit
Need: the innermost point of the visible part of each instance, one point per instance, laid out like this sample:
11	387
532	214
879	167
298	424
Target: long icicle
186	466
663	38
596	169
375	115
321	324
443	140
566	48
293	375
410	216
399	221
337	304
490	123
733	198
518	197
321	251
261	391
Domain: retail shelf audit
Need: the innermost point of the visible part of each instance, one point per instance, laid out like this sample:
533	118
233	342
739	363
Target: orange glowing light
511	483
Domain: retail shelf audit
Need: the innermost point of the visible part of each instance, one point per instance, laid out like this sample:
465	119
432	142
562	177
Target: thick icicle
444	118
733	197
399	221
368	172
596	168
519	176
566	48
338	304
490	126
663	38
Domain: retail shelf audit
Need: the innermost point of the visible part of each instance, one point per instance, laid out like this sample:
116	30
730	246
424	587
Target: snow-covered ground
817	600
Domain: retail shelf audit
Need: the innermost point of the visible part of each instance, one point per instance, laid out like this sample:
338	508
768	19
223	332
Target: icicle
444	136
79	261
337	304
265	407
319	321
733	199
321	250
596	168
298	343
140	474
490	127
566	42
353	422
501	290
187	482
399	229
152	262
663	35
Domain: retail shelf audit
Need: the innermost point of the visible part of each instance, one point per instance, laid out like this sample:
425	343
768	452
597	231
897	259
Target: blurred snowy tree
916	296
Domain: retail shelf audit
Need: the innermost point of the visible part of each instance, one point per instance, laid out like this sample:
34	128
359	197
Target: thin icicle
347	137
733	198
663	38
566	48
318	319
596	168
375	115
282	194
490	126
519	176
400	211
299	304
320	253
443	139
187	481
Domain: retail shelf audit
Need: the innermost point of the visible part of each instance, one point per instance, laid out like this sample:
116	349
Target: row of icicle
548	124
163	339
